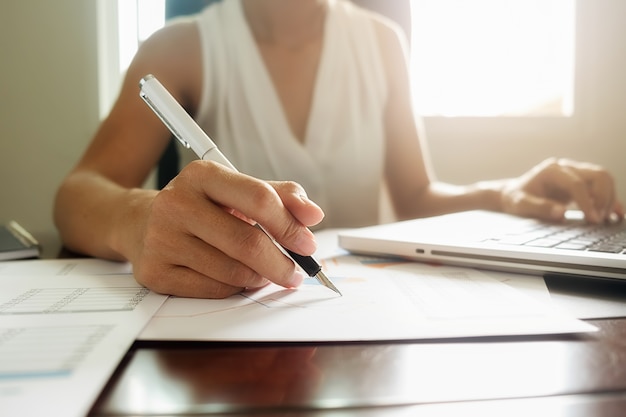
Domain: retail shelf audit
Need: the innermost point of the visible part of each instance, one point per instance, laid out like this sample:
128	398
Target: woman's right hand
197	238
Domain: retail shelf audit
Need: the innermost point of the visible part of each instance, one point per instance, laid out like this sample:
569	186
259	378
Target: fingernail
305	198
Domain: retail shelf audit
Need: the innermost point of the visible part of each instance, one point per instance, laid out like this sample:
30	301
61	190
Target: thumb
540	208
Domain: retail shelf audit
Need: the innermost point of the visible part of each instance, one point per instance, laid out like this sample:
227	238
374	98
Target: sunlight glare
493	57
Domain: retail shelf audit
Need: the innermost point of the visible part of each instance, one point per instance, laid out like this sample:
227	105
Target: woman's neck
288	23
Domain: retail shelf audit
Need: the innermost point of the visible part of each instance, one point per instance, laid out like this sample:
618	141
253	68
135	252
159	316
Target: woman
312	91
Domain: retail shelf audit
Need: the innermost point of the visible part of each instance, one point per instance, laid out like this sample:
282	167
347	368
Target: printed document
64	327
383	299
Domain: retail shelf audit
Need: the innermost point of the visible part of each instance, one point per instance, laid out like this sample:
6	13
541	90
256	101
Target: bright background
52	70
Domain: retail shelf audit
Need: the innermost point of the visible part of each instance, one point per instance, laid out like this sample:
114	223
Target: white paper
590	306
382	300
577	303
63	333
60	267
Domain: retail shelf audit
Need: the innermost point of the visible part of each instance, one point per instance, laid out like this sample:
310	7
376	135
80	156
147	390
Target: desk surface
573	375
561	375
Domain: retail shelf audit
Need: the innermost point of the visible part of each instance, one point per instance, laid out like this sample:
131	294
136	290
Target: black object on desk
17	243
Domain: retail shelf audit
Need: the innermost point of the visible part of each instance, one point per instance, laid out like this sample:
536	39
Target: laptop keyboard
609	238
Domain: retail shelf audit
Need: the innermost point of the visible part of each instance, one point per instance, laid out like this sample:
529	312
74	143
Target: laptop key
607	248
572	246
543	243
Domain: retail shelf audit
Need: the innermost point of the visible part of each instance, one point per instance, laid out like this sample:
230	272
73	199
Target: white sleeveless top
340	163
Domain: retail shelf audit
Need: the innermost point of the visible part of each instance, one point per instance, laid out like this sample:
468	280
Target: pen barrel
308	264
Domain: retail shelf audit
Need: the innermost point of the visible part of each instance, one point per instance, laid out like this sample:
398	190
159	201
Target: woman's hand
199	239
547	190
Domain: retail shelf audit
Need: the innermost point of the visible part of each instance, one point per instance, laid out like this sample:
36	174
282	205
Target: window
123	25
493	57
469	58
138	20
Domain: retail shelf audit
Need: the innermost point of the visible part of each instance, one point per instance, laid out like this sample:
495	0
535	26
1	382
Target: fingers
566	183
590	186
547	189
195	246
529	205
242	242
259	201
297	202
189	267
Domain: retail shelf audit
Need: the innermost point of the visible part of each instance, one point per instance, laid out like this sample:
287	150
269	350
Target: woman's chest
293	73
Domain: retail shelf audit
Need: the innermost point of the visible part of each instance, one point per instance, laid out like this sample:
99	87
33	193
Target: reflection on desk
560	375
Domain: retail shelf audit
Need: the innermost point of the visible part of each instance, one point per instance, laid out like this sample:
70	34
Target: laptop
490	240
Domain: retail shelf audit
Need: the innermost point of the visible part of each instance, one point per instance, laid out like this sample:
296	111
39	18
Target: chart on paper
73	300
44	352
63	330
383	299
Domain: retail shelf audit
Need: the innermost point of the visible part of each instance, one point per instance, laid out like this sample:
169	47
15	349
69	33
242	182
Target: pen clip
160	115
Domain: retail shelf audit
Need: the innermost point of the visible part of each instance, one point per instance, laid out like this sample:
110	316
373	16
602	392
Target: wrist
489	195
128	223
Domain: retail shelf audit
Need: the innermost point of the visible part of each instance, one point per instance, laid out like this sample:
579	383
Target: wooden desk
583	375
561	375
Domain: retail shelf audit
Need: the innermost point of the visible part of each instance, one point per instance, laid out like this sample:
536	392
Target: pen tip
321	277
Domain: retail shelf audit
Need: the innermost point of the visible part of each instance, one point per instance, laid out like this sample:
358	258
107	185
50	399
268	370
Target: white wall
49	109
48	104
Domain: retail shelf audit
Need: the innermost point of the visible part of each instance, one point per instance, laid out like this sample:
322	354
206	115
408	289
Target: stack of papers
64	327
383	299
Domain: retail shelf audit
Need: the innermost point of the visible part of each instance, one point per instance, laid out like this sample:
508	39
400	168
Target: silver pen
190	135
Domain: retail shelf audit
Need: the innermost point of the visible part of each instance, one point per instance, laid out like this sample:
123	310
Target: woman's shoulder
172	54
388	32
176	32
381	22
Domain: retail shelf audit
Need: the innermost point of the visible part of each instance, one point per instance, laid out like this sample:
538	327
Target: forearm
98	217
441	198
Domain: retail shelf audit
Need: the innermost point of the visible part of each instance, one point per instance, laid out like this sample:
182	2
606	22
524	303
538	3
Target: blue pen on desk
187	131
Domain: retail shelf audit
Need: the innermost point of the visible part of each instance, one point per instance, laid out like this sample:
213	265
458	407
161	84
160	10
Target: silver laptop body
499	241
